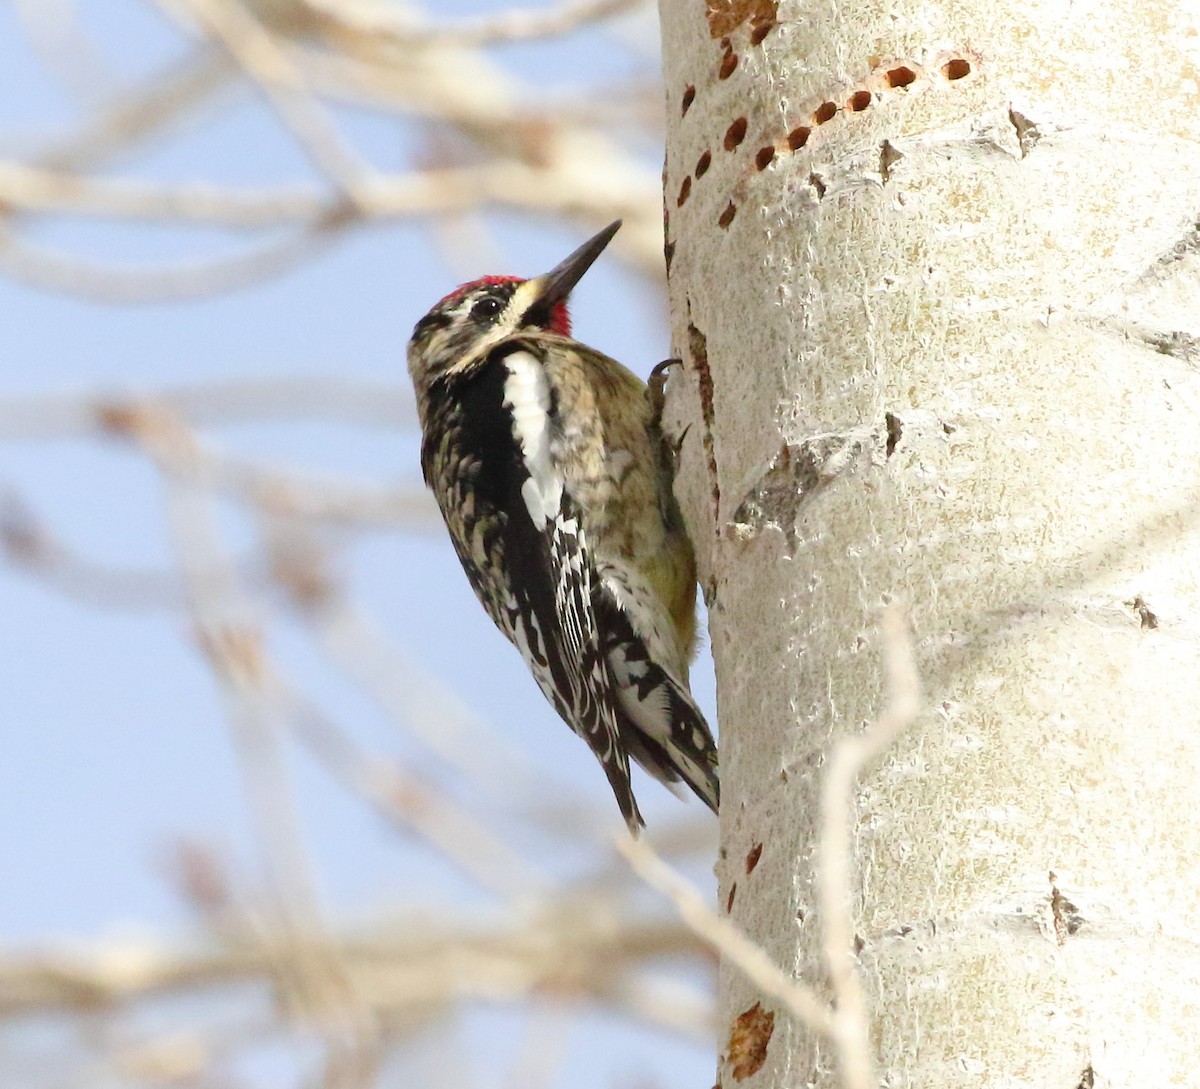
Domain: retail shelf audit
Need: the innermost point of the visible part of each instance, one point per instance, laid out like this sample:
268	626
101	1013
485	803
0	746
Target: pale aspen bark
935	279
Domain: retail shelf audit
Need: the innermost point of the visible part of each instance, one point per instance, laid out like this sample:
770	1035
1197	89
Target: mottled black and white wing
525	550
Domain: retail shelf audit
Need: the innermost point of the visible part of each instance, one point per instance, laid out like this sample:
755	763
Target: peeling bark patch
698	353
752	857
894	430
748	1041
729	898
1148	618
1087	1080
1067	920
689	96
725	16
796	474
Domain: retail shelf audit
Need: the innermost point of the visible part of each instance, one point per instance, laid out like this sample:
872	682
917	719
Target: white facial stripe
527	394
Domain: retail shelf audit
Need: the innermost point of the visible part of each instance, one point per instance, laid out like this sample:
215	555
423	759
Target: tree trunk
935	279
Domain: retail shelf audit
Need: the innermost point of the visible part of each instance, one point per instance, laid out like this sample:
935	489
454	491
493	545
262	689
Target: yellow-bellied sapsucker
554	480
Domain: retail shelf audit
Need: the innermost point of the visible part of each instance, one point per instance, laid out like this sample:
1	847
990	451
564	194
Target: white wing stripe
527	393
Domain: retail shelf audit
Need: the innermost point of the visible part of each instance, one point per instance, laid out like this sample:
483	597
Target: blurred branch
510	185
268	974
111	282
413	965
250	400
267	64
309	974
532	158
513	25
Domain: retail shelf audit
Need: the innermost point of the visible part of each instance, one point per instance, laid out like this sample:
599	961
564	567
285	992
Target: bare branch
730	941
514	25
847	759
73	415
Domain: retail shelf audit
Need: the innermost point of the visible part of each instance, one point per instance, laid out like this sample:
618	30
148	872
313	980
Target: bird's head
462	328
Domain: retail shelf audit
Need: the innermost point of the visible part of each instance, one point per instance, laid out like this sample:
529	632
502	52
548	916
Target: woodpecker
549	465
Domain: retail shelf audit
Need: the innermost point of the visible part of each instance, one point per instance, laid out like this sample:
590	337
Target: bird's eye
487	307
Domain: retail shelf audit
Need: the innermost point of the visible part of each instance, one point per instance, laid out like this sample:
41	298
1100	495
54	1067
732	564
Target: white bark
953	343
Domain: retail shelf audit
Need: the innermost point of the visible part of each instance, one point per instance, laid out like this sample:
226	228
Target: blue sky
116	746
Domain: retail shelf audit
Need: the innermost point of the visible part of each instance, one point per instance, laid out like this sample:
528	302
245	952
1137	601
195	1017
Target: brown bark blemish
895	429
748	1042
1147	616
752	857
900	76
798	137
888	157
736	133
761	30
729	898
689	96
698	358
726	217
824	112
725	16
1067	920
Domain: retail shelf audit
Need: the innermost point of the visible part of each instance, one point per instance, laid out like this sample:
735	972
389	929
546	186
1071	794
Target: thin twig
847	759
470	845
727	939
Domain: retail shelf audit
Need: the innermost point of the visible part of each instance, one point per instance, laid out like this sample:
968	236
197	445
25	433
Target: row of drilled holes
894	78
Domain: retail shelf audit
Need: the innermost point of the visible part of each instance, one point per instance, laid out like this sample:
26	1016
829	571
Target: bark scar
797	473
698	358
